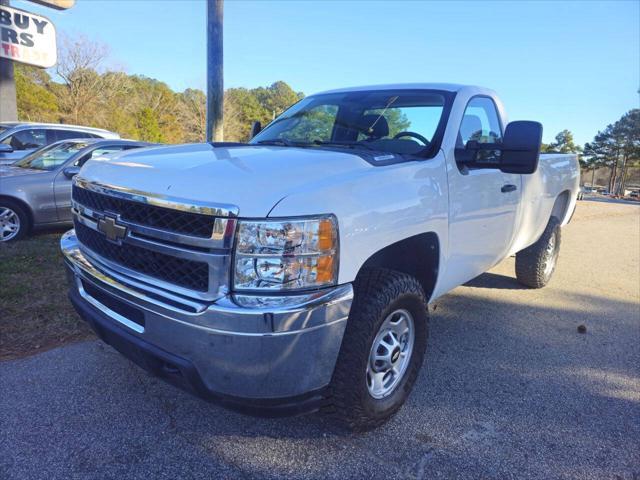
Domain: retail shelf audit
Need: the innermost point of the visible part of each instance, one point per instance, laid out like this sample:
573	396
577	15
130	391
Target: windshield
394	121
51	156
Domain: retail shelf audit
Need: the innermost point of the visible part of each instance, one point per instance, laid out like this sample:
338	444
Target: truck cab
293	272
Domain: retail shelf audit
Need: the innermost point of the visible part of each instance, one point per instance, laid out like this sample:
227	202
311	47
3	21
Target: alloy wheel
390	353
9	224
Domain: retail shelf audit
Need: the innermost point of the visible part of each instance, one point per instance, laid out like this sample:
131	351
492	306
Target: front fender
377	207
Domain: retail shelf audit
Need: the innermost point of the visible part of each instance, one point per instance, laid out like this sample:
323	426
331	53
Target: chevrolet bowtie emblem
112	229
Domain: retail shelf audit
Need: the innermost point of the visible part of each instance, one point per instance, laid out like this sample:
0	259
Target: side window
68	134
480	122
96	153
27	139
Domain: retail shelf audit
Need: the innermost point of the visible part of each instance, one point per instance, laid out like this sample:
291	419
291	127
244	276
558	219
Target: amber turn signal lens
326	238
325	269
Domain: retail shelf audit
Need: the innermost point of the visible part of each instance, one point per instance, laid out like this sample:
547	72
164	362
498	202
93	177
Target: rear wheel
382	350
14	221
535	264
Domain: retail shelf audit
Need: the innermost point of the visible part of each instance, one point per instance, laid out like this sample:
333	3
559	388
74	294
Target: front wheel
535	264
14	221
382	350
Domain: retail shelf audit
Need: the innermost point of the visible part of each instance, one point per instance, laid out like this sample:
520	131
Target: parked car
19	139
294	272
582	191
36	191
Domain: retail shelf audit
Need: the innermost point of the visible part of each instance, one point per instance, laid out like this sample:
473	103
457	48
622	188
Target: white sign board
27	38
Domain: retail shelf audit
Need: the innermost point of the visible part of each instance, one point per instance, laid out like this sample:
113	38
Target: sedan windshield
394	121
51	156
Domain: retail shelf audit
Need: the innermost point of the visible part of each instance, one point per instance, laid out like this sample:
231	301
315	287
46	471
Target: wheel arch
418	256
561	205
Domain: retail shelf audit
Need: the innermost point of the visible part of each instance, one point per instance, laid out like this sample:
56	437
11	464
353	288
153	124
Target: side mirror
520	150
71	172
256	127
5	148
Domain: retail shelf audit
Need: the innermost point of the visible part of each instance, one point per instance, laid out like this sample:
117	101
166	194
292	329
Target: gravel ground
509	389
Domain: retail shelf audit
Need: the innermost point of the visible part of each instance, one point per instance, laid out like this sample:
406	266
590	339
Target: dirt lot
509	388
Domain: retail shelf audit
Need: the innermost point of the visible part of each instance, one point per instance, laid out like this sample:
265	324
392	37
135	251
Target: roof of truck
448	87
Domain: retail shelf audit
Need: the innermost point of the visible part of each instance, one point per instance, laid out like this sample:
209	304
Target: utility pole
215	77
8	106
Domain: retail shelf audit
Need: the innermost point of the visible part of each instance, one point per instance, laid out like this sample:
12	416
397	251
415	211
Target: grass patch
35	314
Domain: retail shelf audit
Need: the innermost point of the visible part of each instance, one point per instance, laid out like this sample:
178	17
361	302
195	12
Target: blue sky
572	65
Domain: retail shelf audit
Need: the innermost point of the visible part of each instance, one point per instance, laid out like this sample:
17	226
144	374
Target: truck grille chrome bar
186	273
184	249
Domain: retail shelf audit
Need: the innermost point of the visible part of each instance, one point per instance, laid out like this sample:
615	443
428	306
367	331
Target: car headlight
289	254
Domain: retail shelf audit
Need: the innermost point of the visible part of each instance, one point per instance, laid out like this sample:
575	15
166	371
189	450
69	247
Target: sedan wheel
14	221
9	224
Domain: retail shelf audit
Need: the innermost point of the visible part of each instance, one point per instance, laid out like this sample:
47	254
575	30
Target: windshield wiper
346	143
283	142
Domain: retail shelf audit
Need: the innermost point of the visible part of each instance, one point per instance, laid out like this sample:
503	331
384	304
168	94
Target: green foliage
564	143
36	102
148	127
617	148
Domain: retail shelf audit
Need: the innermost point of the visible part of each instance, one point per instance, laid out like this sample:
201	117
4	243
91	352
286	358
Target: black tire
25	221
531	263
378	293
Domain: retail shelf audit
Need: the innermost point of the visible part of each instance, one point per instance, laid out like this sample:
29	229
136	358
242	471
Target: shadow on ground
506	387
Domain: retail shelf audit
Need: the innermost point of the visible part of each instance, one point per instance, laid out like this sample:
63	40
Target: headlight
286	254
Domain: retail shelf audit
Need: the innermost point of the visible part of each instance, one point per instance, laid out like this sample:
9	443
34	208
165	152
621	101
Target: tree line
84	91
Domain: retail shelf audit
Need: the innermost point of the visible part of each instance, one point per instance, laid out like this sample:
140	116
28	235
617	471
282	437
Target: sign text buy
27	38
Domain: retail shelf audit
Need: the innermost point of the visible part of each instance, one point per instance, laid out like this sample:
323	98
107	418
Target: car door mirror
71	172
4	148
520	149
256	128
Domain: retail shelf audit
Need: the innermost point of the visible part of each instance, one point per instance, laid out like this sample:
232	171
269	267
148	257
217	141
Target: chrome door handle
508	188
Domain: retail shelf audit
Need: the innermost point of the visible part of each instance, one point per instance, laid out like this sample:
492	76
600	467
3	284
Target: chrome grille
176	245
147	215
186	273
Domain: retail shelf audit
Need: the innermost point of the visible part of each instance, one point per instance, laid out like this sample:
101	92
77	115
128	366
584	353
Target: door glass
27	139
480	123
68	134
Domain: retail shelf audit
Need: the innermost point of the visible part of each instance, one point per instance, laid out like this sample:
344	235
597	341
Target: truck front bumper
258	355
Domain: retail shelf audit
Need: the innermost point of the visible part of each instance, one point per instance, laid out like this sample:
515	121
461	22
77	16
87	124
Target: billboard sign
27	38
57	4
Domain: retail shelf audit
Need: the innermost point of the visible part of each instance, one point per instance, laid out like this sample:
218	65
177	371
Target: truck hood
252	178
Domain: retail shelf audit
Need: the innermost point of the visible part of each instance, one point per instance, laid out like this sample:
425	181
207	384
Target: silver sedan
35	192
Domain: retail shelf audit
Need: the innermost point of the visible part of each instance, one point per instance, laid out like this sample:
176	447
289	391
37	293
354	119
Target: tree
617	148
78	62
564	143
193	115
148	128
275	99
628	128
36	102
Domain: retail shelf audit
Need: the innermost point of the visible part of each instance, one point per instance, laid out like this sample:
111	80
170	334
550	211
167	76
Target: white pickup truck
293	273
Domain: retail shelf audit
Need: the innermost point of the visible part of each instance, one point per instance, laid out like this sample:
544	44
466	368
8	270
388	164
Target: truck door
483	202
